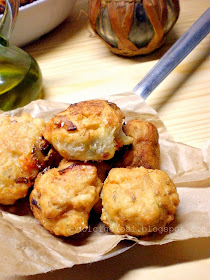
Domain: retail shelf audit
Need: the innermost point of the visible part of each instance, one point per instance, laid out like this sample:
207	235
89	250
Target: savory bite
21	155
138	201
63	197
144	150
88	130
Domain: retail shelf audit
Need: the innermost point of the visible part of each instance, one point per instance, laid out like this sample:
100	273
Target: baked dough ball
63	197
21	155
88	130
137	201
144	150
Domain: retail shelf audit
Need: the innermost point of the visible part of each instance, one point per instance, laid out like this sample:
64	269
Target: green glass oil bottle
20	75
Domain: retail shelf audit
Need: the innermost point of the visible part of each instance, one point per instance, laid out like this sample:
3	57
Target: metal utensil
195	34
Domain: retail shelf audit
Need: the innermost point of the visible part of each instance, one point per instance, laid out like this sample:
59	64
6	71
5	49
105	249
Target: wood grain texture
74	60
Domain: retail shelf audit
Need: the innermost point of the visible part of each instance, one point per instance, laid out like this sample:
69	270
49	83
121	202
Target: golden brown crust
88	130
137	201
63	197
145	150
20	155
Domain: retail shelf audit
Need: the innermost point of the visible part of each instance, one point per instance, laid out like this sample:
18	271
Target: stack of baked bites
86	158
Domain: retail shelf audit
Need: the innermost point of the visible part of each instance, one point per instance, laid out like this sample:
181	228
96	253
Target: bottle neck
8	20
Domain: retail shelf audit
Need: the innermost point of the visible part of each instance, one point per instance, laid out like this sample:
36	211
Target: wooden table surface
74	60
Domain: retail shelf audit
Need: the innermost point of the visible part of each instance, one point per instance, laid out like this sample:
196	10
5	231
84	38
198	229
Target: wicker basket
133	27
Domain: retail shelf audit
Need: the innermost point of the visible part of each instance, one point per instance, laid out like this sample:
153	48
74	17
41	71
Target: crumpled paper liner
27	248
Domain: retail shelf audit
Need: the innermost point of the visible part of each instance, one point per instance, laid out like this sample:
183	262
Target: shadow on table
55	38
68	29
135	258
195	64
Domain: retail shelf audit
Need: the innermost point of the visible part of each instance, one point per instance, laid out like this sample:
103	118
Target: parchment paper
27	248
